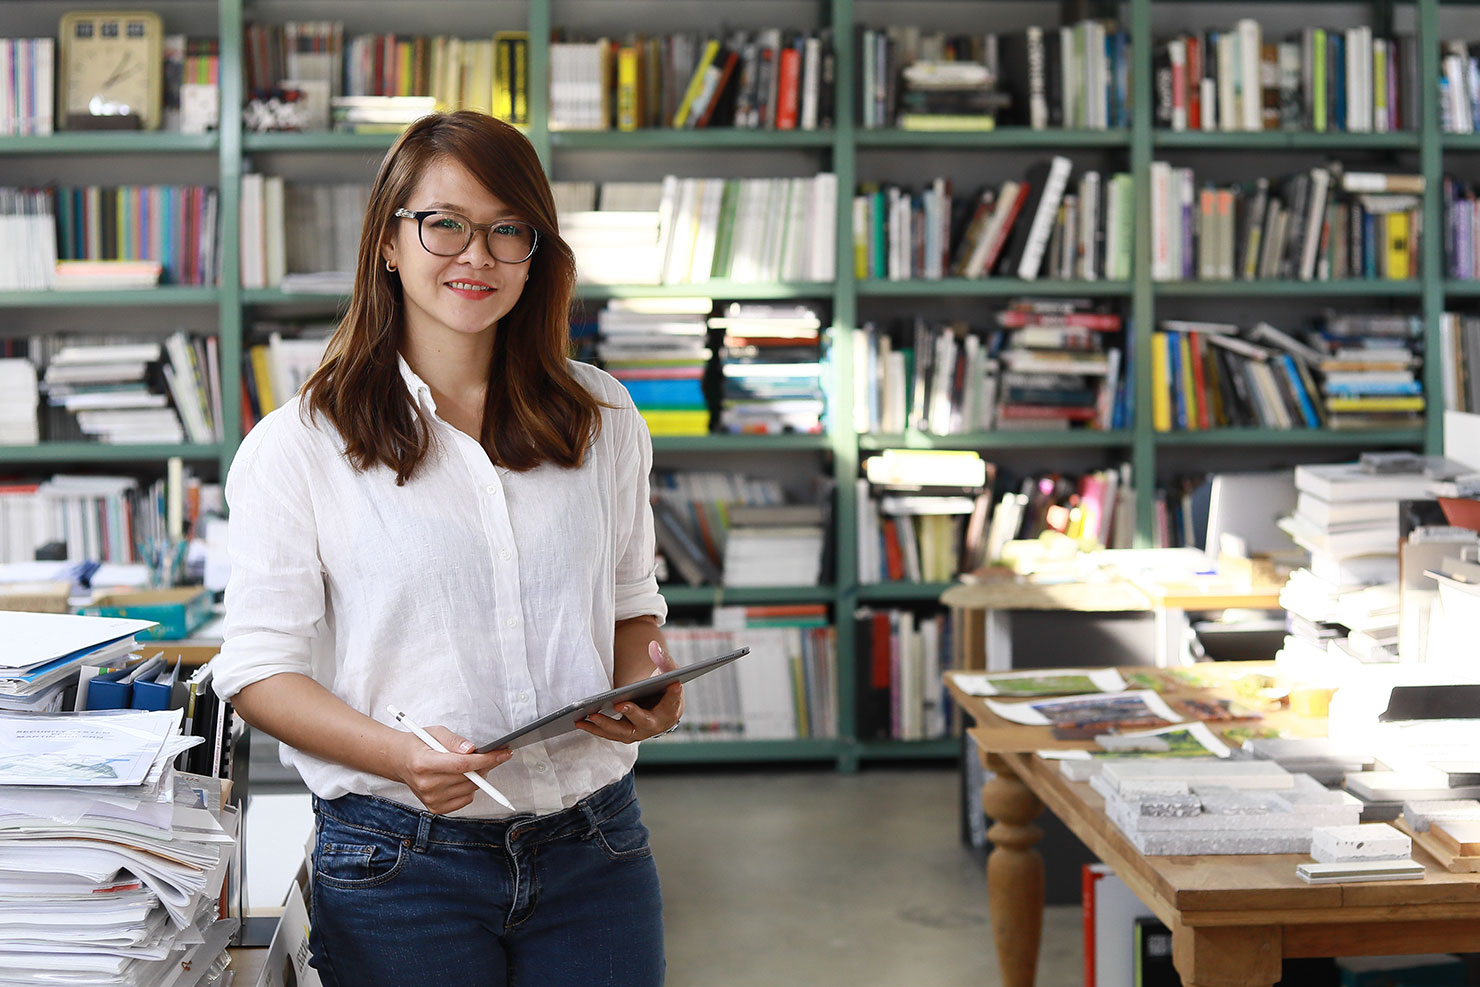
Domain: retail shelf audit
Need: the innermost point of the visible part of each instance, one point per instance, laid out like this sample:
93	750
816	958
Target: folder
110	690
157	691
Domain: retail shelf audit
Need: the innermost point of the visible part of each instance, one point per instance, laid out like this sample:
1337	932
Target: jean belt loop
423	830
589	811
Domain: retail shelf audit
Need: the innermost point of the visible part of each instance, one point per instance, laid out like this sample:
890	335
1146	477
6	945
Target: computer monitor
1248	505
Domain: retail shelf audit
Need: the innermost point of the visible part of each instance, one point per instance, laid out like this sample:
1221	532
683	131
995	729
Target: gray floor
813	877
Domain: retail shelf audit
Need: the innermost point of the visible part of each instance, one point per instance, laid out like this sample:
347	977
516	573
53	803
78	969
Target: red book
1194	82
1199	380
788	89
725	75
1000	240
1044	412
893	557
1098	321
879	679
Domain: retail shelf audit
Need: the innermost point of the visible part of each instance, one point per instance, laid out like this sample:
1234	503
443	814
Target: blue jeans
404	897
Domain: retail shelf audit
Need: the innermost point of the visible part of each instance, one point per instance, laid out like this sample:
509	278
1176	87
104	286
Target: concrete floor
813	877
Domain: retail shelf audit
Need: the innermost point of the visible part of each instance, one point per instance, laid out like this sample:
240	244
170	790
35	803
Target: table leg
997	639
1171	637
1014	872
1227	956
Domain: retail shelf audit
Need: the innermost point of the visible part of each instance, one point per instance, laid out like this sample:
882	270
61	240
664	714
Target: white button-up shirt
473	596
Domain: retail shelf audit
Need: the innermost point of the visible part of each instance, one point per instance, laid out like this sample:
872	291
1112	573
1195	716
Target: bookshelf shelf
168	295
1350	288
894	750
111	142
1277	140
708	139
97	452
1462	289
993	287
1002	137
1460	142
736	290
901	592
698	596
740	443
1292	437
1071	439
739	751
273	296
315	141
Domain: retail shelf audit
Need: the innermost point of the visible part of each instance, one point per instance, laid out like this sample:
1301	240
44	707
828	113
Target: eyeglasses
448	234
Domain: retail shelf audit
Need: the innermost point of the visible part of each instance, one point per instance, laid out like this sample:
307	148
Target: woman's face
465	294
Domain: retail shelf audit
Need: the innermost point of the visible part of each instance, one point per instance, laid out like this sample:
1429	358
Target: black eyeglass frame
421	214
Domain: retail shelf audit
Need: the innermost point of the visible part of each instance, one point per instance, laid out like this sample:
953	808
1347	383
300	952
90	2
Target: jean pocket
623	836
349	858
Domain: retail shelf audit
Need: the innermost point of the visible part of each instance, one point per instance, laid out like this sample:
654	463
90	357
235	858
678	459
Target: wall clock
111	70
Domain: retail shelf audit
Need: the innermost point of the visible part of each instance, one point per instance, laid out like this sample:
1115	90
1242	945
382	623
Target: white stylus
436	745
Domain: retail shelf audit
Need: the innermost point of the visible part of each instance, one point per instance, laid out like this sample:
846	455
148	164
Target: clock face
111	68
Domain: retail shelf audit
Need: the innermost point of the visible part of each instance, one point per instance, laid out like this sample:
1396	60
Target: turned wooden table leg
1014	872
1227	956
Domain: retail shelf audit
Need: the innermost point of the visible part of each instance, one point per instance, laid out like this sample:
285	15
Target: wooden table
1233	918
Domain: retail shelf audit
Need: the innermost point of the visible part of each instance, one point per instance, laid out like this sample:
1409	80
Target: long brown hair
535	411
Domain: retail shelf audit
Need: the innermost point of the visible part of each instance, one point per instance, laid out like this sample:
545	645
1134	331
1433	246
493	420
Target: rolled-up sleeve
275	595
637	579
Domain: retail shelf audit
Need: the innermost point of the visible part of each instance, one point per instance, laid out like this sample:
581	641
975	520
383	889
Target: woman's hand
438	779
638	723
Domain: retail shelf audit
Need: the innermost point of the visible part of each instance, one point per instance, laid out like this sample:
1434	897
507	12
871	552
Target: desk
1233	918
981	613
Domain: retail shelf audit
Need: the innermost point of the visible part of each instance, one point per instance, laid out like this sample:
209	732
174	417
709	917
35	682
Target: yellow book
799	695
1397	245
1188	383
629	88
696	83
1408	403
676	422
511	76
1161	384
262	374
405	73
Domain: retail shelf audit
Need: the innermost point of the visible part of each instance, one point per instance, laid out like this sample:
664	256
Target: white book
811	82
1250	43
252	238
1162	228
274	250
1048	210
1229	110
708	228
822	252
1320	183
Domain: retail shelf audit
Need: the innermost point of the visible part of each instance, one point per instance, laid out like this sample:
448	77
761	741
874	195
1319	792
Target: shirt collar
420	391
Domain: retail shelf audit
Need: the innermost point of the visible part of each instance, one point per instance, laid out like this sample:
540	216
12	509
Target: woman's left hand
638	723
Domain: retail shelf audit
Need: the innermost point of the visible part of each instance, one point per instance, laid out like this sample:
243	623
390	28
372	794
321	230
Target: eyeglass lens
447	234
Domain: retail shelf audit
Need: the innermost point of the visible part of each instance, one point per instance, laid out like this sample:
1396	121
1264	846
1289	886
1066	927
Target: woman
453	518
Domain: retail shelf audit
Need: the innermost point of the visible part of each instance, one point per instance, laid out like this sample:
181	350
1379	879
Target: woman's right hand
438	779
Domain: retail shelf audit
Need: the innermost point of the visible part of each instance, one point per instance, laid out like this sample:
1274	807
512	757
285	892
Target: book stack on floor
1320	225
1321	79
19	395
658	349
774	544
900	657
1344	604
1046	224
922	515
784	690
771	364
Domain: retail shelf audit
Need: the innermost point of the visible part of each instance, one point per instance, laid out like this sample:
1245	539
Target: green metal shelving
845	150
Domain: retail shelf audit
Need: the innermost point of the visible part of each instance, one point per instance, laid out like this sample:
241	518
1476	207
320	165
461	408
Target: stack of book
748	229
690	515
1321	79
1097	509
106	275
275	370
1057	369
922	515
615	240
30	216
771	79
785	689
188	61
378	114
658	349
18	398
771	364
1045	224
1076	76
300	236
27	99
899	660
1370	374
949	95
1180	512
1324	224
774	544
1343	605
1459	89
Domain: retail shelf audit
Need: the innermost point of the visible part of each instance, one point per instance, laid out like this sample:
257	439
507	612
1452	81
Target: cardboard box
179	611
44	597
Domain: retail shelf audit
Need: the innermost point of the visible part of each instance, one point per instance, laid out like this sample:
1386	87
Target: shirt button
512	621
491	488
505	554
523	697
541	767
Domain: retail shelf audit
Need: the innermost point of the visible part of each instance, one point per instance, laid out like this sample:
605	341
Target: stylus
436	745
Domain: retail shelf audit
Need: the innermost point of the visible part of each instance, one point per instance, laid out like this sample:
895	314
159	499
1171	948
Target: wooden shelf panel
1292	437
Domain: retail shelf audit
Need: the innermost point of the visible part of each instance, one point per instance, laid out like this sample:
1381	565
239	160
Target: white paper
78	749
1045	712
993	683
33	639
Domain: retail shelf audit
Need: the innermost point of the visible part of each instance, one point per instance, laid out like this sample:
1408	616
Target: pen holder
165	558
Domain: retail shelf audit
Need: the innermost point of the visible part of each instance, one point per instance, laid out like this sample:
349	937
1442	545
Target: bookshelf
854	154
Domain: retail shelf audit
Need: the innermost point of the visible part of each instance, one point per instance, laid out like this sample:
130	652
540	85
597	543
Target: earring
526	277
390	268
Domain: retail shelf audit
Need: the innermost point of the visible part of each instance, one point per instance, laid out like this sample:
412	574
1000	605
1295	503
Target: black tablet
565	720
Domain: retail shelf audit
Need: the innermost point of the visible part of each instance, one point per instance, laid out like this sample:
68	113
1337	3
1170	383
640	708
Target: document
105	747
1041	682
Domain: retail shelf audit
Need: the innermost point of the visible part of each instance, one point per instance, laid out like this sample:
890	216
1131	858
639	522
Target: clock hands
122	69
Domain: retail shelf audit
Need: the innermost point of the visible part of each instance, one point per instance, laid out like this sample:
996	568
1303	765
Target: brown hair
541	412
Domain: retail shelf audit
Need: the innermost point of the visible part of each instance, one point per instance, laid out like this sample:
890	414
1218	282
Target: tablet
649	689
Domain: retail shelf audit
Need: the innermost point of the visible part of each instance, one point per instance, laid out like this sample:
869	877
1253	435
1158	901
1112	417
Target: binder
110	690
157	691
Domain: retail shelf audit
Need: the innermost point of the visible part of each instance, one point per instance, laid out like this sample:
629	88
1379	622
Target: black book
1161	81
871	679
1014	77
826	95
1235	404
1012	253
1053	76
1297	194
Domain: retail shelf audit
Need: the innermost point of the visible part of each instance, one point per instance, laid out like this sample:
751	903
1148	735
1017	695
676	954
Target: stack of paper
18	400
110	863
43	652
